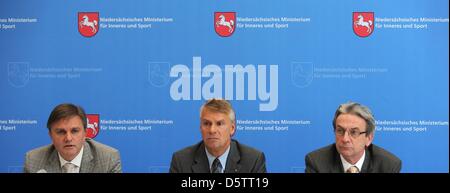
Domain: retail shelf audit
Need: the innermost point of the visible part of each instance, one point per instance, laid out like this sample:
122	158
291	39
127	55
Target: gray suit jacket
327	160
241	159
97	158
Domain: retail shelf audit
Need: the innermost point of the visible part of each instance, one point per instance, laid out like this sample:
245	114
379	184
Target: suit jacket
241	159
97	158
327	160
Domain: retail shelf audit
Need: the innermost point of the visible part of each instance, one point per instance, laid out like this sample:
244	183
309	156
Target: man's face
68	136
351	147
217	130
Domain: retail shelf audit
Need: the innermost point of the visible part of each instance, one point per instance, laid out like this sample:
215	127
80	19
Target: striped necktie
216	166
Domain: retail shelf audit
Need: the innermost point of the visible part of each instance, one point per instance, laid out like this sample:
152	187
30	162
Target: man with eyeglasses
353	151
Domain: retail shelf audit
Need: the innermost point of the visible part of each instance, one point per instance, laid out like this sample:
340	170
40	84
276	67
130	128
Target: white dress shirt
222	158
358	164
76	161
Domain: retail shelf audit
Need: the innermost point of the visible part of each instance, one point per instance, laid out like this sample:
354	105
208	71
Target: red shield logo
93	125
224	23
88	23
363	23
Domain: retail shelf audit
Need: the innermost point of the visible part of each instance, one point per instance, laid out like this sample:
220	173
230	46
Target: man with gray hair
217	152
353	152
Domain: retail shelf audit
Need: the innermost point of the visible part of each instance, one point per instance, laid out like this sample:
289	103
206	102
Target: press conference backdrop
142	69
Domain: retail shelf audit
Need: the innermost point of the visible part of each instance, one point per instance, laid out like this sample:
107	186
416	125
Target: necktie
69	168
216	166
352	169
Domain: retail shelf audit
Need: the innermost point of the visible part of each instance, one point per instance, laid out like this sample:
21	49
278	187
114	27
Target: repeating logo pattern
158	73
224	23
302	74
363	23
18	73
88	23
93	125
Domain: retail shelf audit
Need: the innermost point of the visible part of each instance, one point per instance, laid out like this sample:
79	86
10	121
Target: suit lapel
87	165
337	163
233	159
53	164
366	165
201	164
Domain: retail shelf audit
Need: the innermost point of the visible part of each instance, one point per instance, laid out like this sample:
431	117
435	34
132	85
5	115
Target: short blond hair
220	106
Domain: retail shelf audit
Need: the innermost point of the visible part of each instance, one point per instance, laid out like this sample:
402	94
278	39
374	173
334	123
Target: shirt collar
76	161
222	158
358	164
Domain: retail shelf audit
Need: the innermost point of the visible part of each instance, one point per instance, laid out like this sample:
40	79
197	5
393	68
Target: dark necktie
216	166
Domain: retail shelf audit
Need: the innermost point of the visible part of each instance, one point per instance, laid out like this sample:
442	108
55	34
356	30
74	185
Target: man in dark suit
71	151
353	152
217	152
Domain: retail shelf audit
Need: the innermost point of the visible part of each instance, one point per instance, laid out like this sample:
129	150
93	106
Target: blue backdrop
285	67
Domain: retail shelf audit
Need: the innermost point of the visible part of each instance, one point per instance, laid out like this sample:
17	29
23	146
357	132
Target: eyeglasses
354	133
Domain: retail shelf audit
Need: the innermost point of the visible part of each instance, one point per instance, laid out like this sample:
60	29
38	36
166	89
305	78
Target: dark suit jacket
97	158
241	159
327	160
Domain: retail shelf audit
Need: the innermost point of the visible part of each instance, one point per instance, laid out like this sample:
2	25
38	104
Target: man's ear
370	139
233	129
